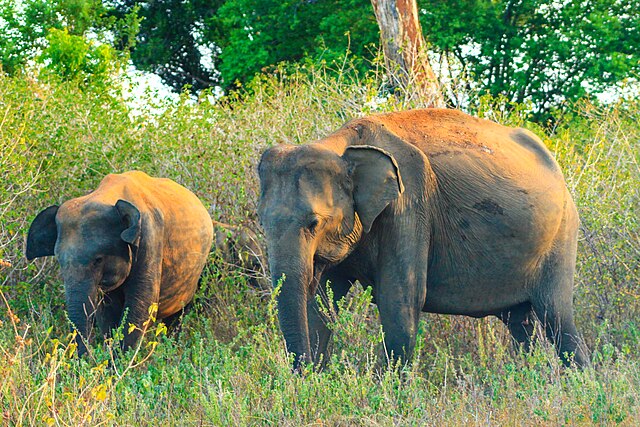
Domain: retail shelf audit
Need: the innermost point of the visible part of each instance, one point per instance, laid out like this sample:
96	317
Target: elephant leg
319	333
520	321
400	308
109	312
557	317
174	321
137	315
553	304
138	300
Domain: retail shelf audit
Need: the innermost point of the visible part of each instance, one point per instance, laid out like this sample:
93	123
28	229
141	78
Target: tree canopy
69	38
540	51
543	51
241	37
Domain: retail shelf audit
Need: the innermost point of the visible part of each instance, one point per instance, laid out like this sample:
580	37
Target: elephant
238	245
132	242
436	211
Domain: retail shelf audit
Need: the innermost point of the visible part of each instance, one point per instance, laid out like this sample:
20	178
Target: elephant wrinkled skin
133	242
437	211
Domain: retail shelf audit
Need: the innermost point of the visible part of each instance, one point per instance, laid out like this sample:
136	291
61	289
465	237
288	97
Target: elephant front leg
319	333
400	303
137	323
139	316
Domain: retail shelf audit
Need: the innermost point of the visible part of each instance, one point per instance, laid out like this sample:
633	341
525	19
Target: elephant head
315	206
95	244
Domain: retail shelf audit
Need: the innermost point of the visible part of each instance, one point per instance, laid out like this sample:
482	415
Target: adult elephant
133	242
434	209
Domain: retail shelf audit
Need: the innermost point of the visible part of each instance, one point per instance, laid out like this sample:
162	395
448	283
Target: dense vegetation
227	365
545	52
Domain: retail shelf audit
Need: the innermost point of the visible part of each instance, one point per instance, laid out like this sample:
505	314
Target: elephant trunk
81	306
292	304
292	313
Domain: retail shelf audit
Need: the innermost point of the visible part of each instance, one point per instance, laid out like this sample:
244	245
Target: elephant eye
98	260
313	224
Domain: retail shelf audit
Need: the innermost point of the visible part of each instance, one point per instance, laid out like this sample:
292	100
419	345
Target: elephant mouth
105	289
318	269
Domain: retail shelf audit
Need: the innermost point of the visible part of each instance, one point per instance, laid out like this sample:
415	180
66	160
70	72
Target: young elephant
133	242
437	211
240	247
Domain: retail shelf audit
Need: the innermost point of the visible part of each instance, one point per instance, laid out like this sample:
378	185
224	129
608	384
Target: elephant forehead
284	211
304	179
316	191
79	223
78	211
323	169
310	157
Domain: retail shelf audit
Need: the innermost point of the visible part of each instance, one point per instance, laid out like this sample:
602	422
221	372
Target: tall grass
227	365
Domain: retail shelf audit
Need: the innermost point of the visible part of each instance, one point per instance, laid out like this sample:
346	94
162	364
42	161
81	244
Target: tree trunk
404	50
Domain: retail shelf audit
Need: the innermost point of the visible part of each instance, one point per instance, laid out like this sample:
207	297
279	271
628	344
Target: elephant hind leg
559	327
520	321
173	322
553	304
557	318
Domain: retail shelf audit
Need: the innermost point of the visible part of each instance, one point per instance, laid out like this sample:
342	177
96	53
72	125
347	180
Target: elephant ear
376	181
43	233
130	216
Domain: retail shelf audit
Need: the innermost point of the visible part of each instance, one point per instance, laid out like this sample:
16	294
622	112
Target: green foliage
23	31
80	16
257	33
70	36
243	37
74	58
227	364
539	51
542	51
171	34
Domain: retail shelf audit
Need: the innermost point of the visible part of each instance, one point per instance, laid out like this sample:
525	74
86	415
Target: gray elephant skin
133	242
434	209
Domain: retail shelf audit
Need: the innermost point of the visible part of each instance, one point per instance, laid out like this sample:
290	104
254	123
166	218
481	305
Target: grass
227	364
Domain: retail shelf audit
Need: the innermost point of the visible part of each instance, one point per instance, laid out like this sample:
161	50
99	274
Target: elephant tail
223	225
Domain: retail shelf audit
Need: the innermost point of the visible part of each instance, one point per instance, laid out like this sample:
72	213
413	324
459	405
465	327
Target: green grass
227	364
